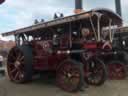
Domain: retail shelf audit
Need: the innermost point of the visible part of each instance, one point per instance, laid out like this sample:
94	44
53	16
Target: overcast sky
20	13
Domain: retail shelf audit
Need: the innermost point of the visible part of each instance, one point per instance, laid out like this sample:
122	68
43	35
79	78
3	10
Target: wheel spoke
13	57
21	58
16	75
67	68
74	80
76	76
75	73
14	53
14	70
10	64
21	76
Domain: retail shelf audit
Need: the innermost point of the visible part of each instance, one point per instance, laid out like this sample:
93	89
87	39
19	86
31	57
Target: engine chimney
118	7
78	7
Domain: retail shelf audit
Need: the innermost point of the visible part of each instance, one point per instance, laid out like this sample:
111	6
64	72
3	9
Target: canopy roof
116	20
115	17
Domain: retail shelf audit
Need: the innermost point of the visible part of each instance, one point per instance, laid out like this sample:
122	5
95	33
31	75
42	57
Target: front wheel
69	76
95	72
19	64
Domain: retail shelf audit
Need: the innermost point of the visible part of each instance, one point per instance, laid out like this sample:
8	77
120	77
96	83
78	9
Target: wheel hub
17	64
69	75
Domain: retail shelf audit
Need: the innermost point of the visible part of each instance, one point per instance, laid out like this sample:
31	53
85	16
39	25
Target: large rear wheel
69	75
19	64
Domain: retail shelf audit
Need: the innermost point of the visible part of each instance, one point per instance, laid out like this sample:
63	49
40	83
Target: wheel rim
116	71
68	77
94	73
15	65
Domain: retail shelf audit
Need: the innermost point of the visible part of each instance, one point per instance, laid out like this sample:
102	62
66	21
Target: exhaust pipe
78	6
118	7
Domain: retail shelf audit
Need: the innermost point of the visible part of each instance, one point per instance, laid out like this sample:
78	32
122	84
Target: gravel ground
43	88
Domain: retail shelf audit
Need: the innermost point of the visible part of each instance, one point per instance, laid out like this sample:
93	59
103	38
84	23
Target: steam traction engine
69	46
118	61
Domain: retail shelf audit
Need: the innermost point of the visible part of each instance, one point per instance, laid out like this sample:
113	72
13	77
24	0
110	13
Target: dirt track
42	88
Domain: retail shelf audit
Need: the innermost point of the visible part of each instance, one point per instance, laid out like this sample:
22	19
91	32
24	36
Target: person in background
1	60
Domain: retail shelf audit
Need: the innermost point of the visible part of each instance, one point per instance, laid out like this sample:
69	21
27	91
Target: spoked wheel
69	76
19	64
116	70
95	72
